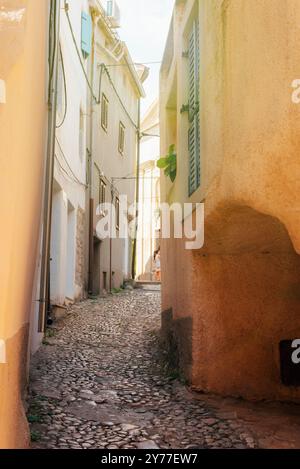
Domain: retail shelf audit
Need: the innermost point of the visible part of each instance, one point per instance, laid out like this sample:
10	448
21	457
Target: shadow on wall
148	274
248	295
244	299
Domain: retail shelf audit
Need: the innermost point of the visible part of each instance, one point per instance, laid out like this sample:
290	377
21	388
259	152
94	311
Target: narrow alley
150	254
100	381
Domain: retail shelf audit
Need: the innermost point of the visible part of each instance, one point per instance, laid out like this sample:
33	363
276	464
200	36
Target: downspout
139	137
91	199
110	241
151	225
49	171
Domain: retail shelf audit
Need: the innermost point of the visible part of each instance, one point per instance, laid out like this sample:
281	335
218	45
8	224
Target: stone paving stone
101	382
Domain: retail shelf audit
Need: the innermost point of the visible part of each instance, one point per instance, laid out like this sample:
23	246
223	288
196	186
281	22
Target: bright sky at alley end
144	28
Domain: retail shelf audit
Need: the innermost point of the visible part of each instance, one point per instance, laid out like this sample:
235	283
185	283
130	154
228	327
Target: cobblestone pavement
100	382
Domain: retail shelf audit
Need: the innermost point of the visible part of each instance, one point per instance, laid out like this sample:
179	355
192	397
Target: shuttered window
86	33
121	138
117	208
104	112
110	5
194	114
102	192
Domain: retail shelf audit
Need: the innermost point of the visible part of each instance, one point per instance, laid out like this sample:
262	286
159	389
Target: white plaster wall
70	164
150	146
107	156
59	247
149	198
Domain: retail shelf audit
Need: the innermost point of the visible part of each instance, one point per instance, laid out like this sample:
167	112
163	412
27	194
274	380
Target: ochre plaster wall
23	122
240	293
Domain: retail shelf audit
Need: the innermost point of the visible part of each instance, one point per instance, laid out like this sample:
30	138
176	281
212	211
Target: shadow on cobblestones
101	381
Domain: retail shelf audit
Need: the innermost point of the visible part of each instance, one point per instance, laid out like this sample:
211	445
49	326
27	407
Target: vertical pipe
91	199
110	241
141	231
139	136
47	204
151	226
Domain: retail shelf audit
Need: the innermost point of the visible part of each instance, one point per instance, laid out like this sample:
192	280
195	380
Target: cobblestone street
99	381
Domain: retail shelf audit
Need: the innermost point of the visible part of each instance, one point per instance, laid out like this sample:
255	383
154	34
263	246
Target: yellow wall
250	177
22	154
249	125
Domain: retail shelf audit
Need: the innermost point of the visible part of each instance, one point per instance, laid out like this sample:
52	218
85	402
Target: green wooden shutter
109	10
86	33
194	115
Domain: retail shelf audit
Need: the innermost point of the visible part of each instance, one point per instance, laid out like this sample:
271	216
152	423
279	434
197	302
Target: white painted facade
119	82
149	220
68	253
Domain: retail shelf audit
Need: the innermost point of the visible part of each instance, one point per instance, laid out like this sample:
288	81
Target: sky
144	28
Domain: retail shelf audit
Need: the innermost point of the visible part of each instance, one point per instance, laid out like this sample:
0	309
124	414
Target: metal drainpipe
91	199
111	241
49	172
139	137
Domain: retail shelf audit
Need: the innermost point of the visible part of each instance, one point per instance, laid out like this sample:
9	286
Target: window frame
102	191
121	140
104	112
117	210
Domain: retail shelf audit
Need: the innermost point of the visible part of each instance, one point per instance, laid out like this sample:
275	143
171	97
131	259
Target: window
102	191
110	5
81	135
117	208
121	138
104	112
86	34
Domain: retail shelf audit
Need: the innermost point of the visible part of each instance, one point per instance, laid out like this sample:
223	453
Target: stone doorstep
59	312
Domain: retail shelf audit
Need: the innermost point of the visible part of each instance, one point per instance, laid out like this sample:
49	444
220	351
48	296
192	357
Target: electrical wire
103	66
120	99
52	59
70	179
65	89
134	178
66	9
133	64
64	156
102	175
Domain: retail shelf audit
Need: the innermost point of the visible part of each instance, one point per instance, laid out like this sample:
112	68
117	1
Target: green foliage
50	332
32	418
169	163
35	435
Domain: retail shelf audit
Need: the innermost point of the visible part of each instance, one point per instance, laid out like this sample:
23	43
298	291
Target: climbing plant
169	163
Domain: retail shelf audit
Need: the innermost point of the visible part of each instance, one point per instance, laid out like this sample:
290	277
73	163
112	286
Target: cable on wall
77	49
103	67
65	88
119	97
73	174
52	47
